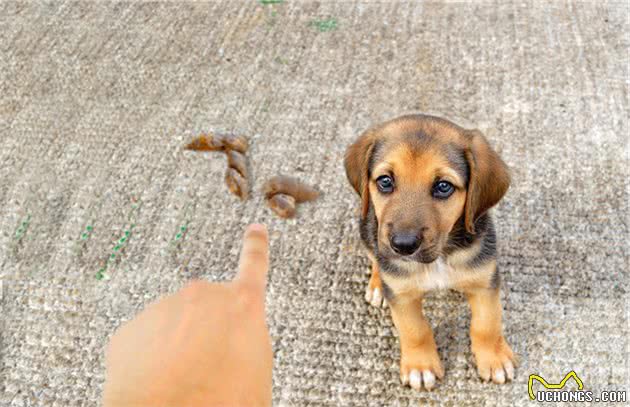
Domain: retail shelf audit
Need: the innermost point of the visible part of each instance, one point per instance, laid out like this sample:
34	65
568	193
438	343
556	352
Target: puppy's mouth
422	255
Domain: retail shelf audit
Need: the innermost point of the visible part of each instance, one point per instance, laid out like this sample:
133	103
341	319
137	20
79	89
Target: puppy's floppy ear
357	161
489	178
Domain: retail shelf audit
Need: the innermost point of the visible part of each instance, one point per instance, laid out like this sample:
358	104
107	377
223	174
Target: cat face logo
558	386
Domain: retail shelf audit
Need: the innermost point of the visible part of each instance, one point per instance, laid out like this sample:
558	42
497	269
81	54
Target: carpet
102	211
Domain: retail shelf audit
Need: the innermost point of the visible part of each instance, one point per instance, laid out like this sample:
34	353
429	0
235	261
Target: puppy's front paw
374	292
495	359
420	367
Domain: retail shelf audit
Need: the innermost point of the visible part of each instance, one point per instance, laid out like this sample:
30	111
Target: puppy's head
423	175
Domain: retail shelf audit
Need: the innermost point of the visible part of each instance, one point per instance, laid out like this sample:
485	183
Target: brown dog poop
219	142
283	193
236	143
234	146
237	184
283	205
237	175
237	161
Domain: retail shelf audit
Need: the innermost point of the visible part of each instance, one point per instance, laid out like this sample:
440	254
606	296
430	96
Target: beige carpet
96	100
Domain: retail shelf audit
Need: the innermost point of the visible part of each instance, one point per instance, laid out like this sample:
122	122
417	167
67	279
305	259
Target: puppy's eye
385	184
443	189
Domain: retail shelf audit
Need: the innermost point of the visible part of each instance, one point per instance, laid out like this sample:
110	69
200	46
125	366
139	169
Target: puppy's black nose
405	243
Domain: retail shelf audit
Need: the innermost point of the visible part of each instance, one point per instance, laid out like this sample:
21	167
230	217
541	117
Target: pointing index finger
254	261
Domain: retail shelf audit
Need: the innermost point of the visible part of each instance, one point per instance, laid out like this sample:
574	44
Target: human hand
206	345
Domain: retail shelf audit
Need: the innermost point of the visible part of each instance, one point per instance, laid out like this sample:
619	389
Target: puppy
426	186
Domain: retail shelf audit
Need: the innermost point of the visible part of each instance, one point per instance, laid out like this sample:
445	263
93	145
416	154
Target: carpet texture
97	99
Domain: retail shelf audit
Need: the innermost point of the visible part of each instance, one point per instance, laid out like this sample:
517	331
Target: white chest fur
438	275
427	277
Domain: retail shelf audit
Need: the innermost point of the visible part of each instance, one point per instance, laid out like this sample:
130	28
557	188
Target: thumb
254	261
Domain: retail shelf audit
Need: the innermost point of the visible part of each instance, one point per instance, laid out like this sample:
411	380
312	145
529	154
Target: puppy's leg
419	362
374	291
494	357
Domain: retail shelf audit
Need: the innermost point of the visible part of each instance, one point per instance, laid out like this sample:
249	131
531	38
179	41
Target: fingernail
257	227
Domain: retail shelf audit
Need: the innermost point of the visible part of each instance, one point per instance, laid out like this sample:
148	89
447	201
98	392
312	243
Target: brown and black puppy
426	186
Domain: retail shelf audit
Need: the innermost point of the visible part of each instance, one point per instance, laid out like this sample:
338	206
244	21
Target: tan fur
461	257
488	345
415	174
375	278
356	165
417	346
489	178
